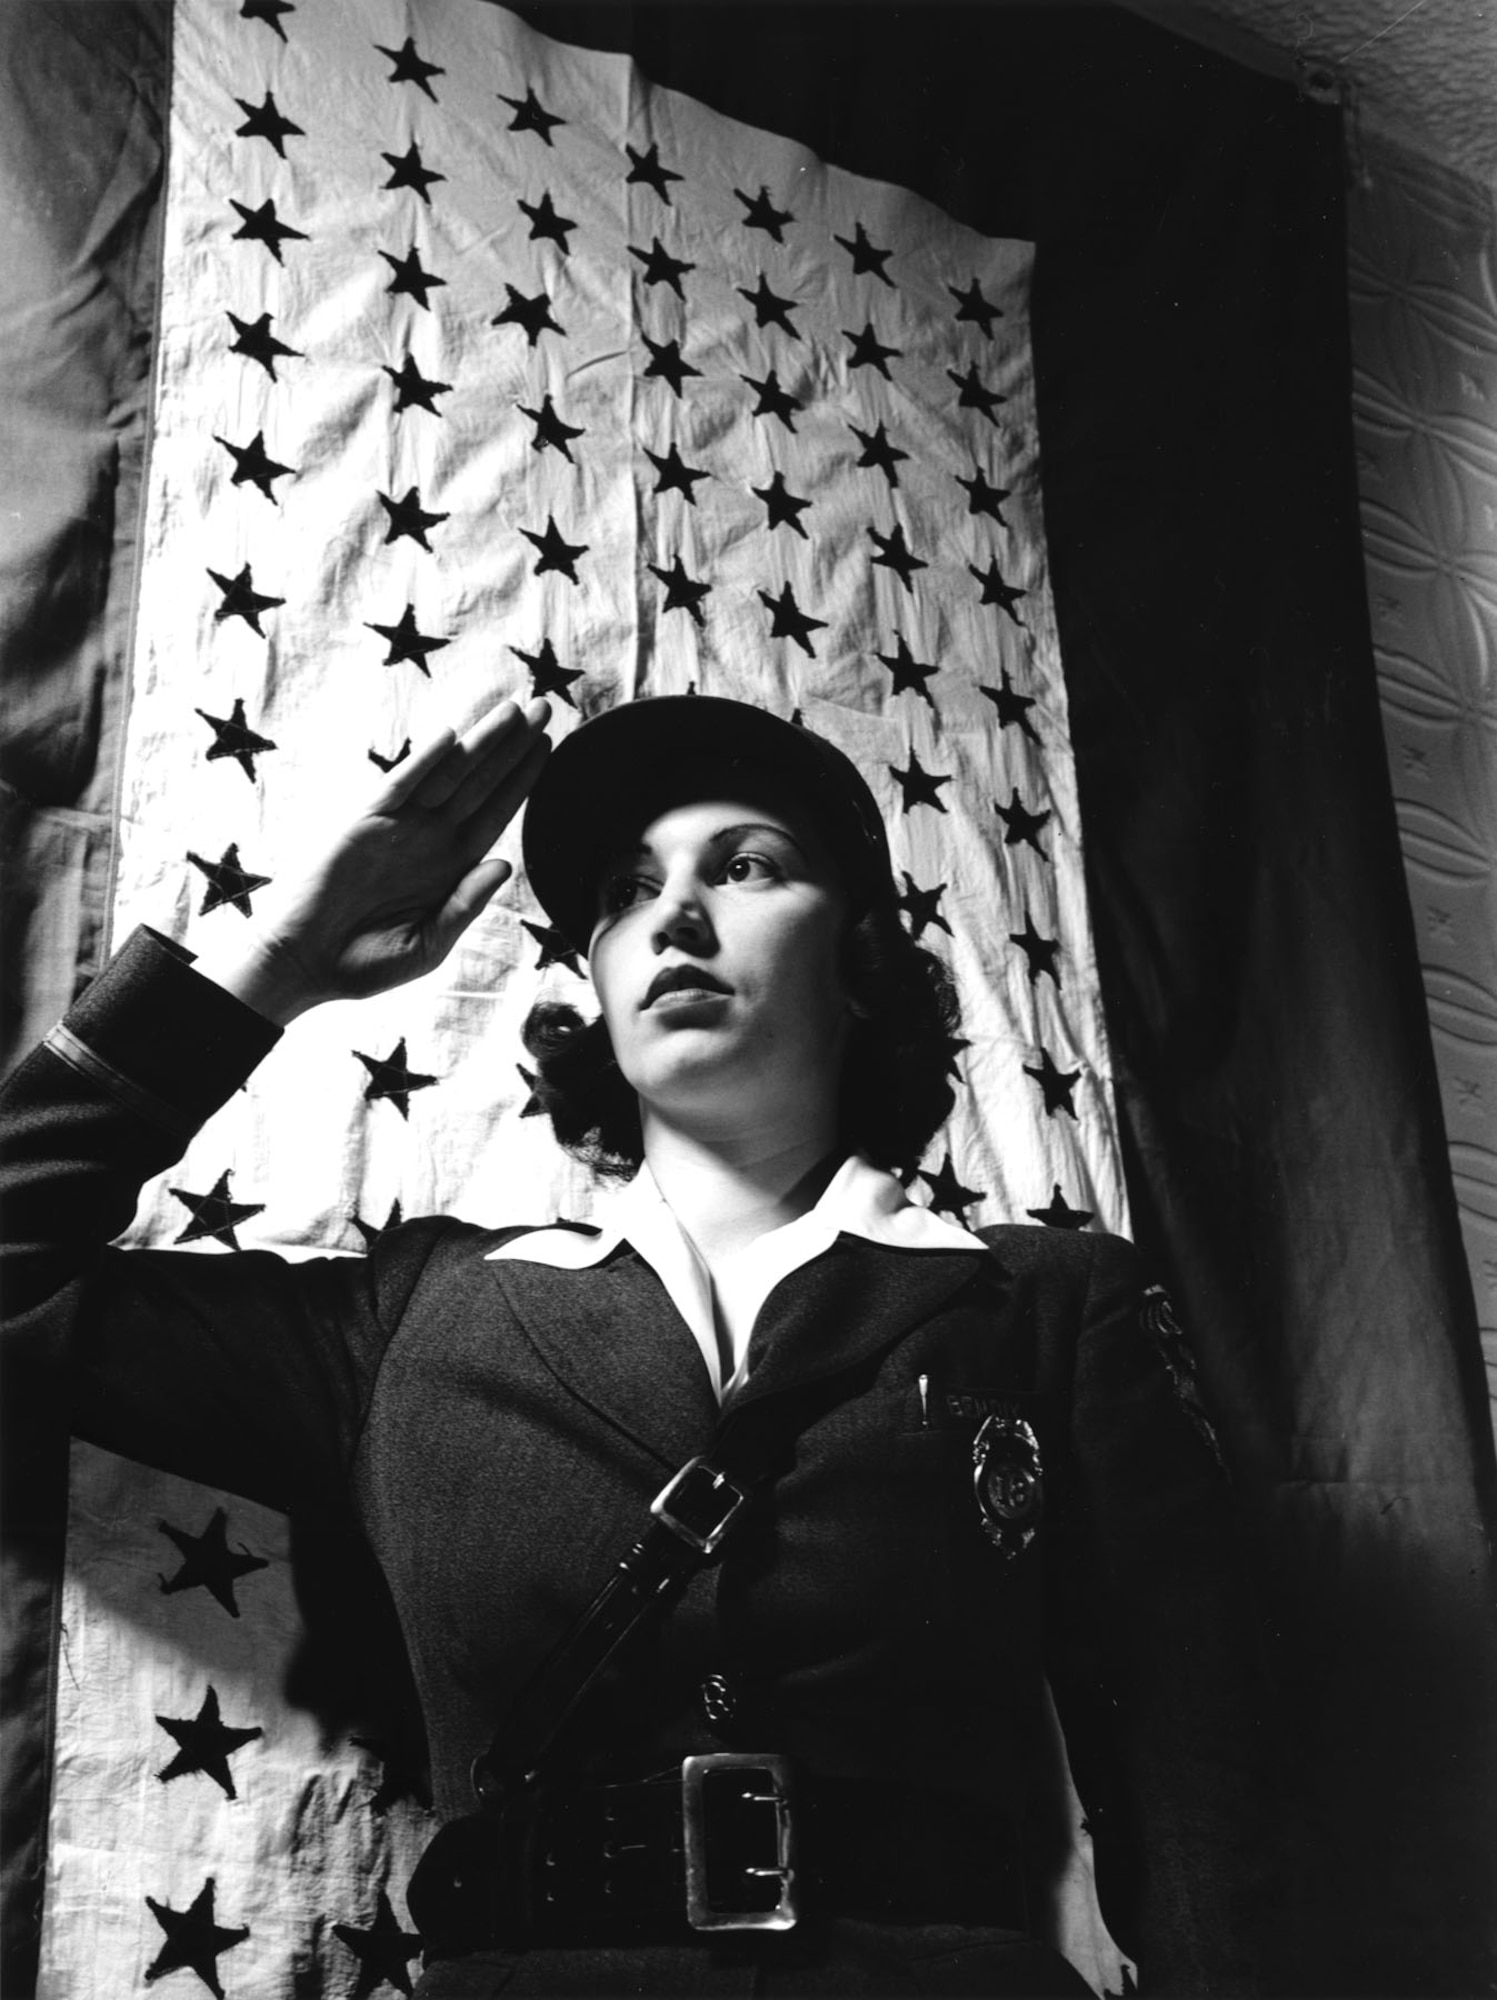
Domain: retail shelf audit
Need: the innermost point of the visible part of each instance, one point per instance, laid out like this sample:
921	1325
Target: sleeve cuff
178	1042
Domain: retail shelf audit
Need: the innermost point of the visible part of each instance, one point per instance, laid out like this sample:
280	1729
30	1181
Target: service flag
487	368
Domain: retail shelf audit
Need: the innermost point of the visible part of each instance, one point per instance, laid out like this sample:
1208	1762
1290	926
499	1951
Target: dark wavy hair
896	1072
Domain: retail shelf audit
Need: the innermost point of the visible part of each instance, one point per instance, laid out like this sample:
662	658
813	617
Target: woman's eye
750	868
622	892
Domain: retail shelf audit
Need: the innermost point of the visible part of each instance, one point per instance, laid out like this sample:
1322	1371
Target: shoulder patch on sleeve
1167	1336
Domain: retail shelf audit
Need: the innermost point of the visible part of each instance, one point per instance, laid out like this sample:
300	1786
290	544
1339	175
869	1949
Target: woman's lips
683	997
678	984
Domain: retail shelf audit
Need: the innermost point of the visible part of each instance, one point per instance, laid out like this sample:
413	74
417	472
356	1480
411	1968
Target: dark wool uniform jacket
497	1430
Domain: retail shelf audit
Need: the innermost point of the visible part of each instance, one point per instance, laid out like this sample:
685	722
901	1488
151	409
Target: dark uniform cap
606	780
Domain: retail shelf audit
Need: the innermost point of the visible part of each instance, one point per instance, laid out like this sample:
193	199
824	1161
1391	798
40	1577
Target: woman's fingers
499	804
412	771
494	755
474	762
464	904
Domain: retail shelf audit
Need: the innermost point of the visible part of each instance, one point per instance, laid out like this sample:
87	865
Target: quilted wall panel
1423	303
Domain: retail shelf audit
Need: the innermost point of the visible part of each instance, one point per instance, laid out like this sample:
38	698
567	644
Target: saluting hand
393	893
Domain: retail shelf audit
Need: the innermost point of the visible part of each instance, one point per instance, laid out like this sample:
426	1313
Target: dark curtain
82	145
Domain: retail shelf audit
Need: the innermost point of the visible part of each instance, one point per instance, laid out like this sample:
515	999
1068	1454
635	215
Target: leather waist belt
732	1843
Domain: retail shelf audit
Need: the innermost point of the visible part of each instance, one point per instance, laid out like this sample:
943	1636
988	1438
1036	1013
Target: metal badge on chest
1008	1480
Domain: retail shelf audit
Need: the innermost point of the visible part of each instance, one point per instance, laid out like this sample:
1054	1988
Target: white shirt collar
859	1200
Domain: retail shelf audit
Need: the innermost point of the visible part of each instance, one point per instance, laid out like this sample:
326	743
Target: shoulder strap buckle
699	1505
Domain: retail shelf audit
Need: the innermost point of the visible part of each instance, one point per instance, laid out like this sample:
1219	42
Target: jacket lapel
847	1306
611	1336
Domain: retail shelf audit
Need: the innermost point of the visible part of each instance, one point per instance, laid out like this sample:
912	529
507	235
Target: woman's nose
681	920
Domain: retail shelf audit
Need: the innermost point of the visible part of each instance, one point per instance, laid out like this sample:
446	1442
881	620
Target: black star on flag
373	1231
1055	1084
675	475
233	737
268	11
864	256
215	1214
769	308
1059	1214
204	1743
242	600
266	121
869	352
408	517
413	389
555	949
555	551
971	305
408	170
550	430
407	67
1019	824
532	1107
383	1950
660	268
879	452
411	279
783	507
253	462
531	116
1011	707
258	342
919	786
773	400
790	622
1038	951
392	1077
193	1940
399	1778
893	553
761	213
955	1046
996	591
547	674
974	395
645	170
985	499
406	642
263	225
534	314
388	764
545	223
683	593
228	882
666	362
909	674
208	1563
922	906
947	1195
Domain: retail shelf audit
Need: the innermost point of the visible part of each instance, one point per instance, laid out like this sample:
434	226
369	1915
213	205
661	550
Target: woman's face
716	960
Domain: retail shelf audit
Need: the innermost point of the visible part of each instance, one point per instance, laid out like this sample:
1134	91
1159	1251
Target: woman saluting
783	1734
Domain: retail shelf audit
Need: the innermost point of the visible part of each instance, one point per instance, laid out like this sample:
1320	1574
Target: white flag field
487	368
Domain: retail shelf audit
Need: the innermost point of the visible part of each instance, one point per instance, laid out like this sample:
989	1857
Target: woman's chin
702	1088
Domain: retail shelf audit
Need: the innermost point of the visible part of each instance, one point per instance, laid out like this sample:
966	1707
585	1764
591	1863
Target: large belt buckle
722	1804
698	1505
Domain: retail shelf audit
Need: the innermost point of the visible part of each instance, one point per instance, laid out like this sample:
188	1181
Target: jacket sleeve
237	1369
1153	1651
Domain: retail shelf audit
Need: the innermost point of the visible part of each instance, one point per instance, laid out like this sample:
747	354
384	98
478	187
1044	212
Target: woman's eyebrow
741	827
643	850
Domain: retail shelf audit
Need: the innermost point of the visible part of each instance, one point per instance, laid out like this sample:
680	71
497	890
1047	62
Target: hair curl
896	1073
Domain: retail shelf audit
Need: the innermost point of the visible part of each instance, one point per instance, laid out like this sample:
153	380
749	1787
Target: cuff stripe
142	1103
